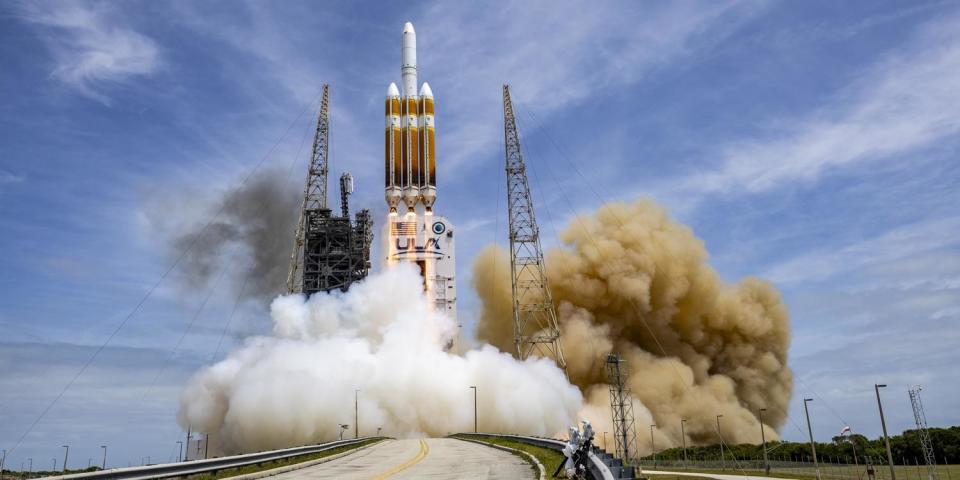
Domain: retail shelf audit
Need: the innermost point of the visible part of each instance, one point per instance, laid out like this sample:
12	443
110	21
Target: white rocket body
416	236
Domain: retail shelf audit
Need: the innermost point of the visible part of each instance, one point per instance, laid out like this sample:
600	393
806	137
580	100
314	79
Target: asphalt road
432	458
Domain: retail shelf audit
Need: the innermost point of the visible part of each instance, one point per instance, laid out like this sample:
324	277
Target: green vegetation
905	447
232	472
9	475
828	472
550	459
222	474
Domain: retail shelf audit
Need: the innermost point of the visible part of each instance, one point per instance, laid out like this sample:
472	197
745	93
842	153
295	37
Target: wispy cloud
90	47
10	177
905	102
554	56
908	241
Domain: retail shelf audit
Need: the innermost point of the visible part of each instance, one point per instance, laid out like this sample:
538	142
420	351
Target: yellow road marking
424	451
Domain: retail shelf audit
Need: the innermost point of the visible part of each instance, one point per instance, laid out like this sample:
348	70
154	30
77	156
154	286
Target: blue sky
811	143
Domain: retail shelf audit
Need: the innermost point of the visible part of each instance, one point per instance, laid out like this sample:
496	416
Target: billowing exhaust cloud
258	218
631	280
382	338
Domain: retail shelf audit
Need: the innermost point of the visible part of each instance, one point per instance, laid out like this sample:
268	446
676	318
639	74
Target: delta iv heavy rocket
410	165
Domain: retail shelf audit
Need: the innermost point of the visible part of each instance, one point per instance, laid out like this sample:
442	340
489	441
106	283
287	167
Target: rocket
409	148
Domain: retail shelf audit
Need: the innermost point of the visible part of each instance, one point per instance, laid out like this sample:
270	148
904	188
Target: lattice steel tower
329	253
925	444
621	408
534	318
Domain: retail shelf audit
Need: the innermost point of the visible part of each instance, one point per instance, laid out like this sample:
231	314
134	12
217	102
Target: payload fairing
410	165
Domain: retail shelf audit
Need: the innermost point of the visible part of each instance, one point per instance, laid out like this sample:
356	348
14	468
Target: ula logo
408	246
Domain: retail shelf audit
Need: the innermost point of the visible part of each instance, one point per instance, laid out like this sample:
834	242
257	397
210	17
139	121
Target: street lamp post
54	464
474	387
186	455
683	438
65	455
883	423
342	428
104	466
652	445
356	413
723	460
813	446
30	473
2	461
763	438
180	455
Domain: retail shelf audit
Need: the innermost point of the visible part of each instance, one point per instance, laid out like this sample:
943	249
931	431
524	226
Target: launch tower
413	233
535	321
329	252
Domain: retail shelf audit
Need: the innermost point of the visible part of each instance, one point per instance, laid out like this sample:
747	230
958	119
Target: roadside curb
514	451
298	466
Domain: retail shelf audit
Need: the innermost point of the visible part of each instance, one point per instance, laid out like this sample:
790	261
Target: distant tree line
905	448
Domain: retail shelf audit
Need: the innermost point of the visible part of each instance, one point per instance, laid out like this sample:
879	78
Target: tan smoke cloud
630	280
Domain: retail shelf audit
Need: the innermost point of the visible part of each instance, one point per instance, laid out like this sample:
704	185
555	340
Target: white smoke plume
381	337
631	280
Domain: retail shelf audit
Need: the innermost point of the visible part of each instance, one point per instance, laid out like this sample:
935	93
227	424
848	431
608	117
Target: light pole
652	446
186	454
2	461
813	446
54	464
723	460
883	423
683	438
474	387
342	428
180	455
104	466
65	455
356	413
763	438
30	472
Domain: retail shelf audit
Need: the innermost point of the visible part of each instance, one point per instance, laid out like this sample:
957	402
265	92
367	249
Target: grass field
837	472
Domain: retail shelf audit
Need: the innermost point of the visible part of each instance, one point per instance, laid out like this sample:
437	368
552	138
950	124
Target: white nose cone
408	63
425	90
392	91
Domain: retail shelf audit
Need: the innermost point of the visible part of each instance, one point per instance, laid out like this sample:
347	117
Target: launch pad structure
330	252
536	331
621	408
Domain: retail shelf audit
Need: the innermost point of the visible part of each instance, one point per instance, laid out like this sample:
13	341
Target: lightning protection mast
534	318
925	444
621	409
314	193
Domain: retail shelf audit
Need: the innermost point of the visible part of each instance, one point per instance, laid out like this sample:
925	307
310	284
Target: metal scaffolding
329	253
535	321
621	407
925	444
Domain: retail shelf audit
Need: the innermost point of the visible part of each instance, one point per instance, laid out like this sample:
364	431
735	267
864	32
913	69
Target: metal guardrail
602	467
193	467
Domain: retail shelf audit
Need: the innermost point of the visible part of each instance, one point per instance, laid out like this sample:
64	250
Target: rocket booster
409	148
